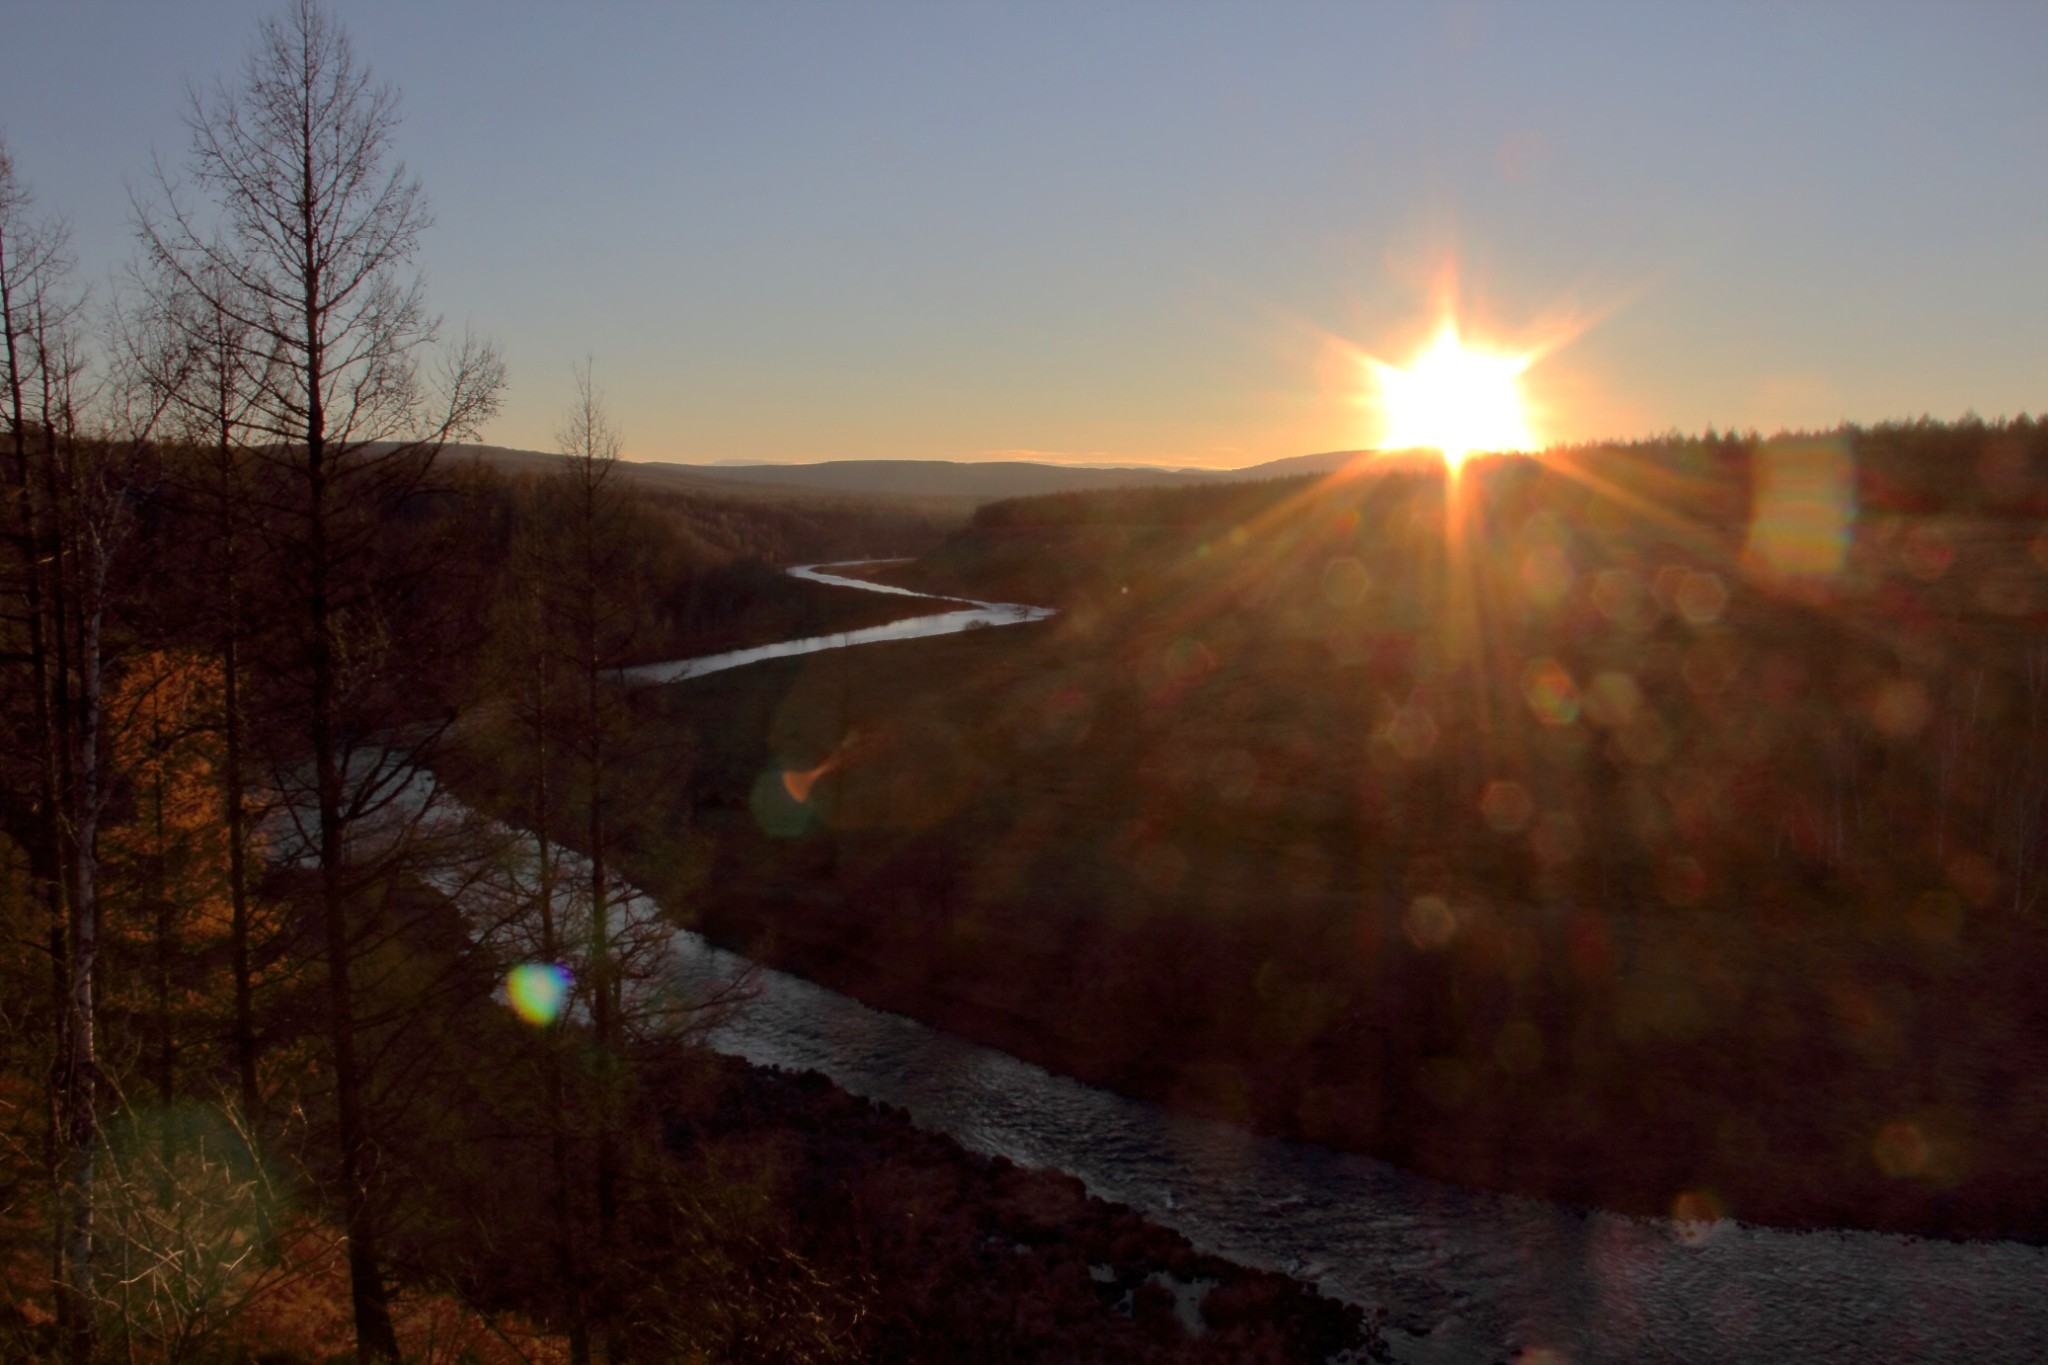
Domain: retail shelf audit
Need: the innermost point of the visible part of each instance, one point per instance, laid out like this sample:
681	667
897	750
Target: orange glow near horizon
1454	398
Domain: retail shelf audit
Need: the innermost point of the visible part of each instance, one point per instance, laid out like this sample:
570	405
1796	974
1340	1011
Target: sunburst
1454	398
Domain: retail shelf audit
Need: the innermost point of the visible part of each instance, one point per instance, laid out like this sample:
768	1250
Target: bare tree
72	477
200	355
572	561
34	264
593	443
530	685
313	231
84	516
585	559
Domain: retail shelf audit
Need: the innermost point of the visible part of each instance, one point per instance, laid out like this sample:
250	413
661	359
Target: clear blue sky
1120	231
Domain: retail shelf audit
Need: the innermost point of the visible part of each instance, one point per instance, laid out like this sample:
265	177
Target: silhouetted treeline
1972	466
1969	466
1225	504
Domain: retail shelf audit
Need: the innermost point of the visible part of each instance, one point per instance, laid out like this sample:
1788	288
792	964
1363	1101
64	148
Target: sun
1454	398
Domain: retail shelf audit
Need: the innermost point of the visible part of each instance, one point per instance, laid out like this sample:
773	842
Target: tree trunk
238	879
46	860
567	1261
233	778
376	1339
85	932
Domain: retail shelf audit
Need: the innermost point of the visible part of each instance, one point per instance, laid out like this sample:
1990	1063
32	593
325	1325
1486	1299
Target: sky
1117	232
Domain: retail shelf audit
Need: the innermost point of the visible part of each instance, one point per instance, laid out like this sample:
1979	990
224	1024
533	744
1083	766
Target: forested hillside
1655	827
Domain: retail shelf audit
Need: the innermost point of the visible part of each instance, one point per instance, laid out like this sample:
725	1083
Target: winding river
970	616
1464	1276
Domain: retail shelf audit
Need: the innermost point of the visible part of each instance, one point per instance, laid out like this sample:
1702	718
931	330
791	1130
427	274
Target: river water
1464	1276
971	616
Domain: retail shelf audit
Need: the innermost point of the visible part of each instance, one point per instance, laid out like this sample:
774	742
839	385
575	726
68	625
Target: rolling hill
952	480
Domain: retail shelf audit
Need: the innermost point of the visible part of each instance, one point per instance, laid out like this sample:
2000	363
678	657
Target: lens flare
1804	512
537	991
1551	693
1457	399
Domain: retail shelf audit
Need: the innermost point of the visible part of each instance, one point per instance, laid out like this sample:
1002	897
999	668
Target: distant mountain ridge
979	481
914	478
